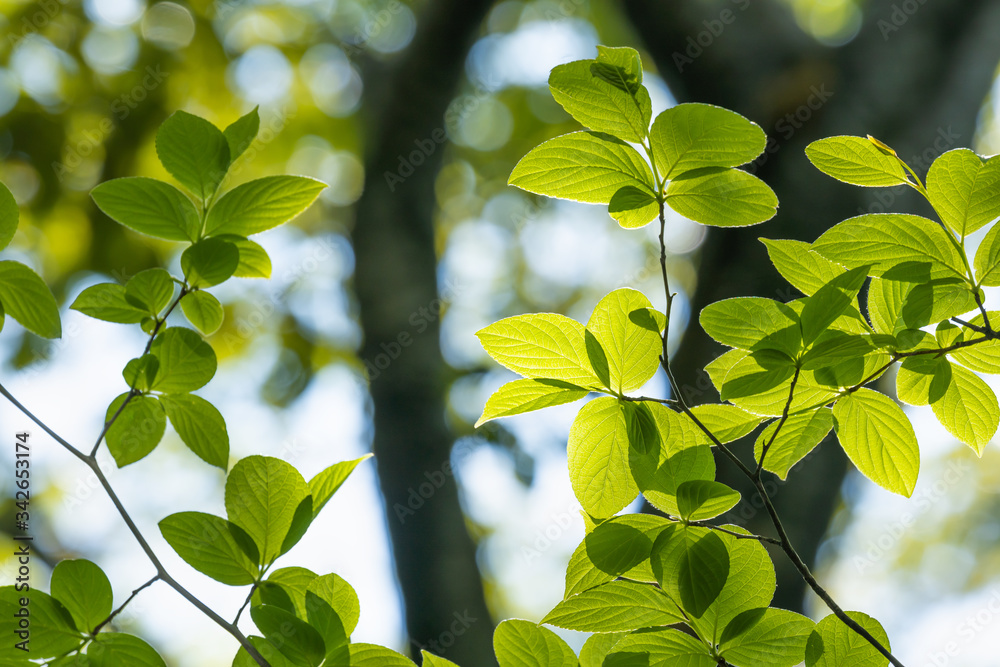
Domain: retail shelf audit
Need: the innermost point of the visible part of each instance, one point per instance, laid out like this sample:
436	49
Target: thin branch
253	589
70	448
649	399
739	536
122	606
781	422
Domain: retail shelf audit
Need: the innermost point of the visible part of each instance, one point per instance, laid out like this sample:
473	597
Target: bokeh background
415	112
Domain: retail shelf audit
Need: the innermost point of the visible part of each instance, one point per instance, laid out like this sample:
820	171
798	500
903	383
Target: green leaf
149	207
597	647
138	429
203	311
333	608
987	259
431	660
618	547
907	306
964	189
726	422
879	439
615	606
262	494
254	260
286	588
692	565
800	265
923	379
541	346
266	649
51	631
200	426
701	499
829	302
750	584
968	409
665	454
722	197
139	373
113	649
663	648
520	643
194	151
798	436
753	323
606	94
773	637
84	589
589	167
983	357
371	655
213	546
241	133
833	644
628	337
262	204
857	161
294	638
521	396
633	207
106	301
27	299
693	136
598	453
898	246
150	290
326	483
834	347
9	215
210	262
187	362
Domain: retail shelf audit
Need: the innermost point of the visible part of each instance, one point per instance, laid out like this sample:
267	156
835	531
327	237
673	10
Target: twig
122	606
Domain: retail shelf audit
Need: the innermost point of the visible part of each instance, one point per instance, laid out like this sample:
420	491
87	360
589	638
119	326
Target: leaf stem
781	422
122	606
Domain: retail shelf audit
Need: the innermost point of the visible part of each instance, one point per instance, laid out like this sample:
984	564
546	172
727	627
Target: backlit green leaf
597	647
829	302
149	207
241	133
701	499
254	260
213	546
663	648
51	631
598	453
261	204
106	301
187	362
27	299
150	290
722	197
857	161
798	436
294	638
968	409
332	608
605	95
618	547
692	136
209	262
326	483
833	644
84	589
520	643
964	189
542	346
262	494
897	246
987	259
629	338
431	660
286	588
773	637
521	396
726	422
194	151
752	323
200	425
800	265
692	565
114	649
633	207
879	439
372	655
138	429
203	311
615	606
583	166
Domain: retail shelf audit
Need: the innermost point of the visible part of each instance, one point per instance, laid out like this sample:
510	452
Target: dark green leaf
149	207
150	290
84	589
194	151
241	133
209	262
138	429
213	546
106	301
118	649
27	299
9	214
294	638
187	362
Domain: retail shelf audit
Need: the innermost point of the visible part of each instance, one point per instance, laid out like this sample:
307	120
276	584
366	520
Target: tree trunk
396	287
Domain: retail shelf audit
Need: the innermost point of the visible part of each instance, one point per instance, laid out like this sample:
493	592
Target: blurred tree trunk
915	77
395	281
